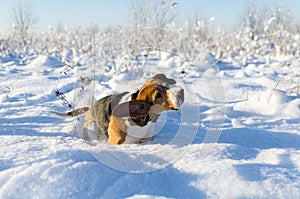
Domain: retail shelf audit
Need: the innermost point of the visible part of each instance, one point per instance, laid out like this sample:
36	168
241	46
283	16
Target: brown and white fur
129	118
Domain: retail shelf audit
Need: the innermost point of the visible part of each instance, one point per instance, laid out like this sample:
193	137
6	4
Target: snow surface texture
236	136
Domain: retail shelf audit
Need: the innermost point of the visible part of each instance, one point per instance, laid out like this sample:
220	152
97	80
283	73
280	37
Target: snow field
251	150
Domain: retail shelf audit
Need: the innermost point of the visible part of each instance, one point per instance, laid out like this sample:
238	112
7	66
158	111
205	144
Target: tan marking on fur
170	103
149	91
175	98
116	135
158	79
145	91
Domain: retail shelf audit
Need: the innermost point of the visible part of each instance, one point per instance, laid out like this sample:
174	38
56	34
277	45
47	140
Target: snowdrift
237	135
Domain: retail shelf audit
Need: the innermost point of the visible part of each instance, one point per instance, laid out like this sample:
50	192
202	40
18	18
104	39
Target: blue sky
114	12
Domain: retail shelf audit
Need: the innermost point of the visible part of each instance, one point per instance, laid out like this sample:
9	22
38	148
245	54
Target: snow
236	135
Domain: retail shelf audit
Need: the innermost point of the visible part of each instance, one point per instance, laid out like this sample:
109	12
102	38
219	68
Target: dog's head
158	91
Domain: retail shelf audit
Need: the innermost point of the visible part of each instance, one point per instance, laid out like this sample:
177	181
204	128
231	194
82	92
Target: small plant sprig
67	66
63	98
84	81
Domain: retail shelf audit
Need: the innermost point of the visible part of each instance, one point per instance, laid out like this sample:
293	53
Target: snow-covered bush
263	32
267	29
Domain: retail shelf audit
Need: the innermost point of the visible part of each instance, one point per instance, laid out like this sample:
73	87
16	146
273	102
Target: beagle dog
130	117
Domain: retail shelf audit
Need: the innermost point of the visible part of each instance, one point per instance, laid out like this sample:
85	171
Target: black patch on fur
141	120
102	110
134	95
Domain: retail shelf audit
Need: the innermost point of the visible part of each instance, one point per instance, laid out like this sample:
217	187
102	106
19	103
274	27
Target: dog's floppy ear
156	109
133	108
163	80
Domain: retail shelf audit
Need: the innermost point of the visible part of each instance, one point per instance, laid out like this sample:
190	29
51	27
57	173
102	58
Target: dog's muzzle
176	96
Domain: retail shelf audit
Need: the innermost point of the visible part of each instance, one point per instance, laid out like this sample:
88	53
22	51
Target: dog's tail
72	113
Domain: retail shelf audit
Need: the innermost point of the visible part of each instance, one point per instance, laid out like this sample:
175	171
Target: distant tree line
153	26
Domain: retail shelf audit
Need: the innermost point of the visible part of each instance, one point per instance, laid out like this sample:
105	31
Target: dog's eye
158	96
